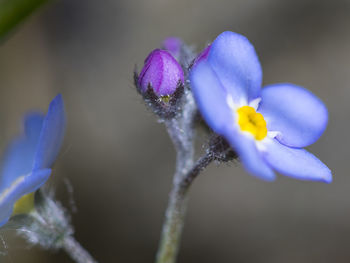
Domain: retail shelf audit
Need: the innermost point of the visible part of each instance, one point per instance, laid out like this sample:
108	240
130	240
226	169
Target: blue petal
23	185
295	112
52	134
33	122
296	163
210	97
249	155
19	156
234	60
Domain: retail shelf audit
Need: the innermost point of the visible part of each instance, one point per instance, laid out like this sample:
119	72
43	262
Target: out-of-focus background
119	160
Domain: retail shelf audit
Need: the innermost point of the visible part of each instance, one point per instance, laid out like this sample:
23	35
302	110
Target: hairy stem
174	218
181	132
173	225
49	226
76	251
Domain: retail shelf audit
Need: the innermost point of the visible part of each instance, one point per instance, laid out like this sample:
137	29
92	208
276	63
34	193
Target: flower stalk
49	226
179	114
181	133
175	213
173	225
76	251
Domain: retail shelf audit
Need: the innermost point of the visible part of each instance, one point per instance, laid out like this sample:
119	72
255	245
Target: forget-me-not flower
28	160
266	127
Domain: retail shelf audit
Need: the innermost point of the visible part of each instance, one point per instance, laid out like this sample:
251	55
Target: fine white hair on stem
3	253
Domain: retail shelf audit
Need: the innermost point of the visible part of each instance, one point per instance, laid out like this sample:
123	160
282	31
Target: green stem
175	213
173	225
181	133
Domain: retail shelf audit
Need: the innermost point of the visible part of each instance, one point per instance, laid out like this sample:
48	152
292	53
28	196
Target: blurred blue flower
267	127
28	160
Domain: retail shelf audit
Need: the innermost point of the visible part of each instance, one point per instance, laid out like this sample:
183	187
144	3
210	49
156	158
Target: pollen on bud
161	72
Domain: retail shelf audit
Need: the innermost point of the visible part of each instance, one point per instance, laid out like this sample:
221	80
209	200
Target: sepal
166	107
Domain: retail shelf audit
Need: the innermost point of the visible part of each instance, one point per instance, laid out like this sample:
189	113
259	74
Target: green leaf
12	12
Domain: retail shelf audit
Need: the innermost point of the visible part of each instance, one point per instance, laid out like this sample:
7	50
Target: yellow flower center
24	205
251	121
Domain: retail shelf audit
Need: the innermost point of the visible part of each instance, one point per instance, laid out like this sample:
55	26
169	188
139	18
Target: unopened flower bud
161	72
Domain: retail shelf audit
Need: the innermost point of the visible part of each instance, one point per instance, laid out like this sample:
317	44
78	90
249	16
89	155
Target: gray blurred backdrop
119	160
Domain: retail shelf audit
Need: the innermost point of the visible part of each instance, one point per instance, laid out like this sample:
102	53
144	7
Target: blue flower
28	160
266	127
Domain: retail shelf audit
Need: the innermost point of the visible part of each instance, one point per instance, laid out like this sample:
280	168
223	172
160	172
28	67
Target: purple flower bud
173	45
162	72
